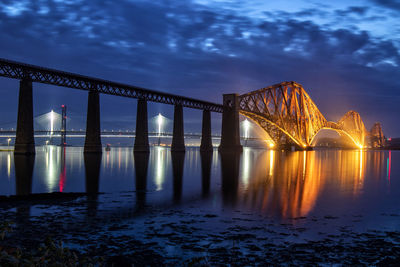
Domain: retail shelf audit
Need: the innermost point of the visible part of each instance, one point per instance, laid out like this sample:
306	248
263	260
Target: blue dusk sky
346	54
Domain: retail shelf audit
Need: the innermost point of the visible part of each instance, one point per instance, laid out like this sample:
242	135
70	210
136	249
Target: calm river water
278	184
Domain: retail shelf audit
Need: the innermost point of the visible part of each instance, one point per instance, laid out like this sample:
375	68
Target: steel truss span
21	71
288	114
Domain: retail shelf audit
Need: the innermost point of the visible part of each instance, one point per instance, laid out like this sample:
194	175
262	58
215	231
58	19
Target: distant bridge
113	134
81	133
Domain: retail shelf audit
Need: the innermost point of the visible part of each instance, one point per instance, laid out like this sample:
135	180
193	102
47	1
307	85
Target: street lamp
271	145
9	140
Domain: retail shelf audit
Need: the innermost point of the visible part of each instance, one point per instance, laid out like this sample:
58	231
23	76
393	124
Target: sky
346	54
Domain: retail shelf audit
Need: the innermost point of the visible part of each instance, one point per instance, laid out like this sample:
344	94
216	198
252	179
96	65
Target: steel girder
284	109
287	113
16	70
352	124
376	135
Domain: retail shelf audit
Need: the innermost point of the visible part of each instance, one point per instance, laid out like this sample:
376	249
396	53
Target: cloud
391	4
353	10
190	49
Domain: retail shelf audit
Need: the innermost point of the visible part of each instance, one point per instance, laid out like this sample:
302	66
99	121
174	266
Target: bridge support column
178	141
92	139
142	133
24	141
206	141
63	125
230	135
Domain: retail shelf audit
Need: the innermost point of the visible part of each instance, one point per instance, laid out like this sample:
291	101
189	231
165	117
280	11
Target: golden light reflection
296	180
361	164
271	162
304	164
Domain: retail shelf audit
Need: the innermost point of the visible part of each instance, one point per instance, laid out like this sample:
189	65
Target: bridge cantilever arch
285	111
290	117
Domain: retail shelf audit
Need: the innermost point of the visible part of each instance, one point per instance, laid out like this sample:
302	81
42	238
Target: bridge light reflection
304	163
160	168
290	184
52	168
246	167
271	162
8	165
389	165
361	163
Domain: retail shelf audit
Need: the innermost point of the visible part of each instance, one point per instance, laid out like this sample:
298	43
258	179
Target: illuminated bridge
285	111
288	114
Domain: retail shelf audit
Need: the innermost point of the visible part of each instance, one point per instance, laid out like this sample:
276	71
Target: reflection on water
8	165
282	184
92	163
53	166
23	185
285	184
161	159
23	174
389	164
92	172
141	166
206	159
229	177
178	159
291	184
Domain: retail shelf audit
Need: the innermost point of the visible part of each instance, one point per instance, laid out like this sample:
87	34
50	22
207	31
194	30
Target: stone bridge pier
24	141
93	139
206	141
230	134
178	137
142	132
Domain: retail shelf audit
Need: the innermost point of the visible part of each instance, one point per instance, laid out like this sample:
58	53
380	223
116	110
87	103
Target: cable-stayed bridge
50	126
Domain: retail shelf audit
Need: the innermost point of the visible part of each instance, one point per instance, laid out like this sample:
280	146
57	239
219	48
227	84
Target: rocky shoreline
89	230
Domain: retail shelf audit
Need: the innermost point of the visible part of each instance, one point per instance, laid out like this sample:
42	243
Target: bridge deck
17	70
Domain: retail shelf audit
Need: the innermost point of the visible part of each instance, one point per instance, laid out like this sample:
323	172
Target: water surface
274	183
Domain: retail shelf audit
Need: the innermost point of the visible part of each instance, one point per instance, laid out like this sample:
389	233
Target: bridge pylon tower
63	125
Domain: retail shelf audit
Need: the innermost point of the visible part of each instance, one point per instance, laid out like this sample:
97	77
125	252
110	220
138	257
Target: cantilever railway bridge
285	111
